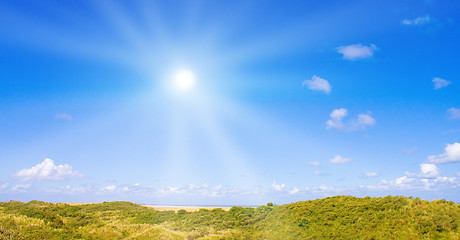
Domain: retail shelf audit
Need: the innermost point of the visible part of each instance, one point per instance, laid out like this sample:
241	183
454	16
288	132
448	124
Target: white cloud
109	188
454	113
314	164
417	21
336	118
318	84
357	51
278	187
362	121
365	120
429	170
339	113
370	174
47	171
440	83
63	116
339	160
294	191
452	154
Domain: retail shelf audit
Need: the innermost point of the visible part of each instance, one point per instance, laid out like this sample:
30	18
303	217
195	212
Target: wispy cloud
439	83
357	51
319	173
454	113
417	21
3	186
451	154
409	150
314	163
339	160
318	84
371	174
20	187
47	170
63	116
109	188
362	121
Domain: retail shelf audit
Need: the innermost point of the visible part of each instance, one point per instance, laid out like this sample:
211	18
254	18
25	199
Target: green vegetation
341	217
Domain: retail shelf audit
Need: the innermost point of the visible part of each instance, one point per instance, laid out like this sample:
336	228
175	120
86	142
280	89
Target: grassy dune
341	217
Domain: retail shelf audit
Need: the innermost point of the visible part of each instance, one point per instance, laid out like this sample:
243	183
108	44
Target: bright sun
184	79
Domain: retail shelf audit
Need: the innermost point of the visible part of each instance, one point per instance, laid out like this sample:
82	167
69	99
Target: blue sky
280	102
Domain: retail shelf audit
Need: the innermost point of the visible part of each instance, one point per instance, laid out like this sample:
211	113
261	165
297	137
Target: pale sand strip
77	203
167	208
186	208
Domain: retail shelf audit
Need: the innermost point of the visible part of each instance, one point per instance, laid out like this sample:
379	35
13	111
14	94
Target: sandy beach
168	208
187	208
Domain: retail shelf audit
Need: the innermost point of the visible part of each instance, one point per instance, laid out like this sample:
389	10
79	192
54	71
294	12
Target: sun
184	80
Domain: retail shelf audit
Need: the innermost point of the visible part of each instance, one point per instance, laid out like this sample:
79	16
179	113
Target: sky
228	102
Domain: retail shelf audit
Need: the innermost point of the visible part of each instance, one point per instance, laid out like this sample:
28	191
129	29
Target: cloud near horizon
339	160
428	179
47	170
451	154
294	191
278	187
357	51
318	84
429	170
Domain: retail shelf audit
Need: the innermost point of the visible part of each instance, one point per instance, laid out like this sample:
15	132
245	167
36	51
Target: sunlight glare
184	80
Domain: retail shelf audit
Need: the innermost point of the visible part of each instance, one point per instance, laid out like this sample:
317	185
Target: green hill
340	217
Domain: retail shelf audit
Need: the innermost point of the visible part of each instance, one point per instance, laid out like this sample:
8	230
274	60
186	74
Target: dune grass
340	217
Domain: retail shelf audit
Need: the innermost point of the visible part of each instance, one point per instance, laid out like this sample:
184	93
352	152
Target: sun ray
234	162
123	24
